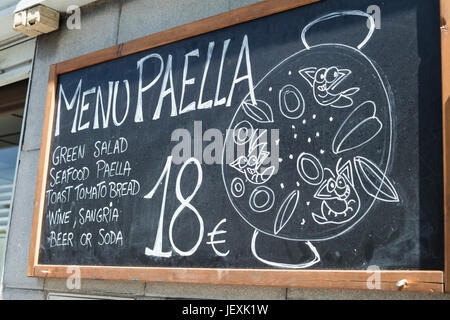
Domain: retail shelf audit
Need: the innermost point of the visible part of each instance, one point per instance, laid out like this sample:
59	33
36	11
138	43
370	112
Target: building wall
103	24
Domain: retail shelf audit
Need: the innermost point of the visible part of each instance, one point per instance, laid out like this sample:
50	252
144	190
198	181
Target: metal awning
15	62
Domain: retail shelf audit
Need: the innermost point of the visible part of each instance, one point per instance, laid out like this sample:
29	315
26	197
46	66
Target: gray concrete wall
104	24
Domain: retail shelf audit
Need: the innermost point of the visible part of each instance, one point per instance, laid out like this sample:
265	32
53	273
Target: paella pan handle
337	15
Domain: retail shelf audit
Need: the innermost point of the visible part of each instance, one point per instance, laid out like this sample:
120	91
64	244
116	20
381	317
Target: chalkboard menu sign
277	144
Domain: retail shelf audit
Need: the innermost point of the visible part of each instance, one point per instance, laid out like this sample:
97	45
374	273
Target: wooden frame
445	54
421	281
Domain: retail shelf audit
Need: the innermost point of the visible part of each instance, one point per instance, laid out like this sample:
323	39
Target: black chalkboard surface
310	138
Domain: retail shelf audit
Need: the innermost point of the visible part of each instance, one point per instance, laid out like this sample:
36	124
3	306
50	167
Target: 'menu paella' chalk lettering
104	101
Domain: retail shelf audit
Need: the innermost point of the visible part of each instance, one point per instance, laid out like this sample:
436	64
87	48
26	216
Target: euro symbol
213	242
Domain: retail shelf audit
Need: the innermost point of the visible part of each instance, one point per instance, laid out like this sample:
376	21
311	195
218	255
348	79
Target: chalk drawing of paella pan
325	113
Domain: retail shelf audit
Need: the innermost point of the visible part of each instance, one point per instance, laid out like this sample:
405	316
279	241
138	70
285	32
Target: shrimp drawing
326	86
250	165
340	201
